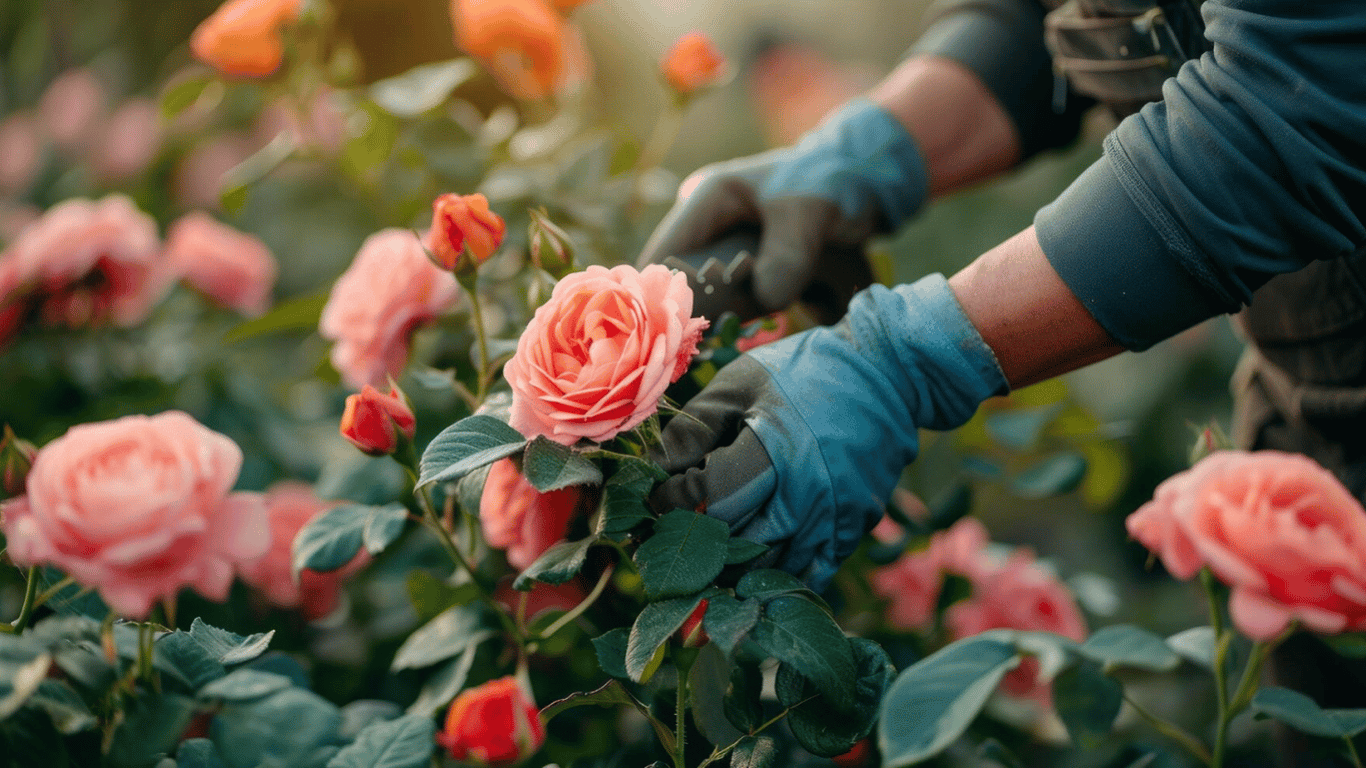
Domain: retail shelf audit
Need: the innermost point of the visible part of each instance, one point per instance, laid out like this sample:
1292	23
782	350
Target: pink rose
130	140
91	262
71	108
290	506
21	147
234	269
912	584
521	519
137	508
1018	595
387	292
1279	529
596	357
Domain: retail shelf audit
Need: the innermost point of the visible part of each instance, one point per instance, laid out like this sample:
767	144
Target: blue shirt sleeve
1253	164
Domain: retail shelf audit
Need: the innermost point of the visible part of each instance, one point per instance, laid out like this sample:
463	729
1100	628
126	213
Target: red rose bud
693	63
464	233
16	459
494	724
691	633
373	421
857	757
550	246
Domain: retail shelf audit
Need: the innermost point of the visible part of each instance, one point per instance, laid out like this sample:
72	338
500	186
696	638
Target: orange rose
493	724
242	37
464	224
373	420
521	42
693	63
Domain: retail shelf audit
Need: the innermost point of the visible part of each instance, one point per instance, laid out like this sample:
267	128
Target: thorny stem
1173	732
1221	644
578	610
30	602
681	712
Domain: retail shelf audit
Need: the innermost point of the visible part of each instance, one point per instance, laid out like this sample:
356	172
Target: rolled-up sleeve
1253	164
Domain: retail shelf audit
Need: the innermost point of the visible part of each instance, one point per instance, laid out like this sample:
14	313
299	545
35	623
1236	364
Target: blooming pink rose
521	519
137	508
1018	595
912	584
1279	529
387	292
234	269
130	140
290	506
21	147
596	357
71	108
91	262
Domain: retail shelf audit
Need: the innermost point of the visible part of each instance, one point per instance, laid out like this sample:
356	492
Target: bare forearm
963	132
1026	313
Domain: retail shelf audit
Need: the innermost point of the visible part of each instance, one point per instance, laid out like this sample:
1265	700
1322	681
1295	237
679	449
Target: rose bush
138	508
596	357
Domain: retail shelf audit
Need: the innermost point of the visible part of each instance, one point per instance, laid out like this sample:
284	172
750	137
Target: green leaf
423	88
189	659
708	682
441	688
742	550
64	706
245	685
799	633
330	540
1055	475
1125	645
151	727
652	628
430	595
624	495
1195	645
1350	645
182	95
557	565
383	527
728	620
403	743
754	752
227	647
253	169
610	647
743	705
686	552
362	713
298	314
197	753
931	703
293	727
995	751
1301	713
610	694
1087	701
1021	429
819	727
549	466
449	633
765	584
23	682
467	445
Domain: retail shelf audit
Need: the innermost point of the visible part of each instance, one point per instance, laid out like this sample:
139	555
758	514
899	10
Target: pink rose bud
595	359
464	233
16	459
693	63
232	268
138	508
373	421
691	633
494	724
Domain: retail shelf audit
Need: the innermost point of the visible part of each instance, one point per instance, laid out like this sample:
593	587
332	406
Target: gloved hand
798	444
858	174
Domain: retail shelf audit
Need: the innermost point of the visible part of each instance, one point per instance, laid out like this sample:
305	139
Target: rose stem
1221	645
467	280
578	610
30	595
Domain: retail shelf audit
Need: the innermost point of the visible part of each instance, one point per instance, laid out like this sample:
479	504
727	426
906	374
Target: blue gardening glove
858	174
799	443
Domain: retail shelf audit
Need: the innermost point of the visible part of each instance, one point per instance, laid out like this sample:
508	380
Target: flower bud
691	633
550	246
373	420
494	724
464	233
693	63
16	459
